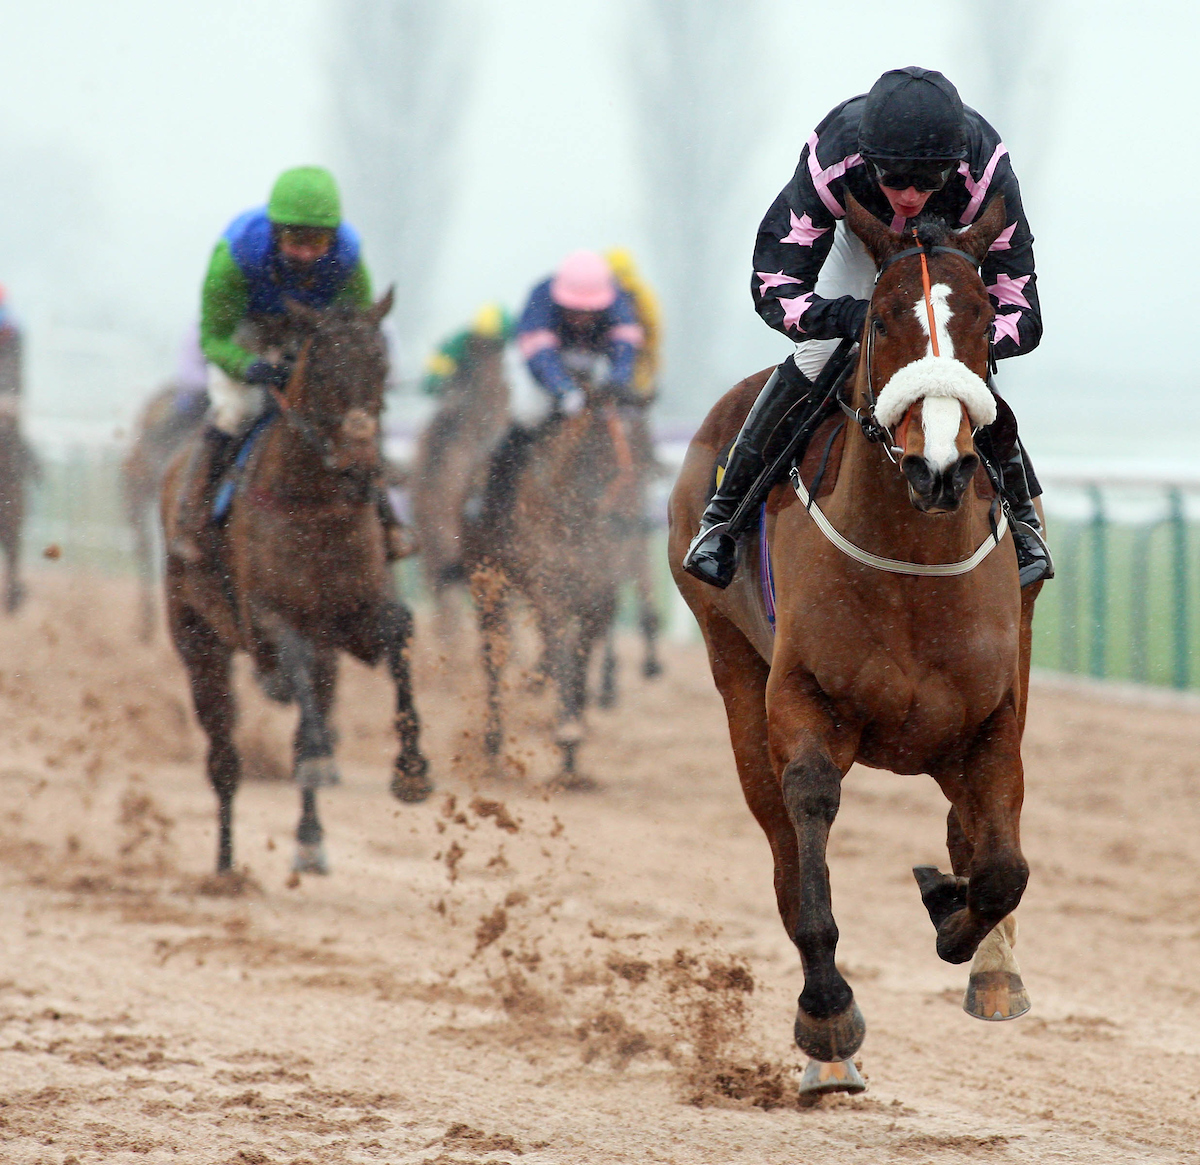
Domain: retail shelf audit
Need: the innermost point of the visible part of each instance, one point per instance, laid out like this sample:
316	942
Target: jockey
645	302
452	359
906	147
296	247
575	321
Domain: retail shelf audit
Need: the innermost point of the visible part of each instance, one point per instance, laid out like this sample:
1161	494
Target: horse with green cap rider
297	248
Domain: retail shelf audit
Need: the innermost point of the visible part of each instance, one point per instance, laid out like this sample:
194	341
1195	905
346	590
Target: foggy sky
134	131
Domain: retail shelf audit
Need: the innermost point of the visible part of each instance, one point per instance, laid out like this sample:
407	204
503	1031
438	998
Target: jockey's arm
357	291
223	302
625	339
794	240
1008	273
539	344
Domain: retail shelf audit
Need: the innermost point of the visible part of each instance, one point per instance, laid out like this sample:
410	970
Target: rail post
1179	589
1139	605
1099	645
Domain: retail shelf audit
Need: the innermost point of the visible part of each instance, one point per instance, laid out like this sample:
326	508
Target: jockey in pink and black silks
907	148
578	324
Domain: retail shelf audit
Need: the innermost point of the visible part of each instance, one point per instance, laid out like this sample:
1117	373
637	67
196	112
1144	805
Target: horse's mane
932	230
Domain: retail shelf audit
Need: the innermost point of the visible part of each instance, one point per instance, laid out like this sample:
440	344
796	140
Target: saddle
235	475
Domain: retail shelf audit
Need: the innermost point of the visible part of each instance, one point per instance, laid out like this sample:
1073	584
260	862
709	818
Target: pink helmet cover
583	282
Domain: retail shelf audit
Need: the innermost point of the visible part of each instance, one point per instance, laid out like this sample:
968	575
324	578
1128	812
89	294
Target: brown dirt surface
500	975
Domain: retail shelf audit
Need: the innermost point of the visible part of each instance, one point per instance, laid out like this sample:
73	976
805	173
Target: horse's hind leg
207	661
648	620
14	588
410	779
607	695
986	796
741	677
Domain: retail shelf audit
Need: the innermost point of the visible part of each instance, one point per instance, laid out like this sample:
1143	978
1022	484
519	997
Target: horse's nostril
359	425
916	469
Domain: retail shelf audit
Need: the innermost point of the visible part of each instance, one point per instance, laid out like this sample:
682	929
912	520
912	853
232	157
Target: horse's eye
878	324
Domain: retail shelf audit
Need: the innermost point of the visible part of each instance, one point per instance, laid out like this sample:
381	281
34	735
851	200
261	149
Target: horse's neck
287	467
487	397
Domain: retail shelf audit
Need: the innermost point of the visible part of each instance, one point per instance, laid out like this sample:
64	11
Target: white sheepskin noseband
935	376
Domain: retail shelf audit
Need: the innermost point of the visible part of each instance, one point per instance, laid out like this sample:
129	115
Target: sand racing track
500	977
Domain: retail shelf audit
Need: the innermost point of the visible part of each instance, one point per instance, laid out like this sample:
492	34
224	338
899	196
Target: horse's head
335	397
925	352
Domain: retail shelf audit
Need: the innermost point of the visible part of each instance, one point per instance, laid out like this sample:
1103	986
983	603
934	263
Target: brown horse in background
472	415
160	432
899	671
17	465
545	528
298	572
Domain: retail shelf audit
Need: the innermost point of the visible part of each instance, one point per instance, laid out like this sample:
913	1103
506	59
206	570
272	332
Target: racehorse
471	417
161	430
545	528
17	464
900	639
298	571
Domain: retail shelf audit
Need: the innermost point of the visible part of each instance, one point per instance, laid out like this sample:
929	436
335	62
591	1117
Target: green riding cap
306	196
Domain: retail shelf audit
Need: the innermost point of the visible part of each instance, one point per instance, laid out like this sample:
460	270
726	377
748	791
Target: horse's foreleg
307	671
995	989
648	619
207	661
987	798
607	695
14	589
410	780
829	1025
571	655
488	589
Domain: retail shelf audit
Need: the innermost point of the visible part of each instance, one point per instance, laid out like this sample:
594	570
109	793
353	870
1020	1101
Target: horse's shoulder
725	418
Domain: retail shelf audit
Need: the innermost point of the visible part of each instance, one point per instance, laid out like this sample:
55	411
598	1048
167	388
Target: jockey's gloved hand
853	317
571	402
265	373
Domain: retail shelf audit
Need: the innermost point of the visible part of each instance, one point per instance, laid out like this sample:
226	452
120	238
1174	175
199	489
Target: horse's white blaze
942	416
938	294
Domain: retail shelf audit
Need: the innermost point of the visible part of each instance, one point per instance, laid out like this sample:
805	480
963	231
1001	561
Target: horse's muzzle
938	491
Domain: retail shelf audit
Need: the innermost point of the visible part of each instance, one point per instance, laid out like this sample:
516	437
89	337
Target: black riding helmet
912	127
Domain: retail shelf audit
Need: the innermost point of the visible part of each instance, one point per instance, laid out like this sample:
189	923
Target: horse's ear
977	239
302	311
377	311
881	241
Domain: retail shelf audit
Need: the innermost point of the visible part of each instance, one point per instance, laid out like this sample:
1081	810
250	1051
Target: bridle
875	432
872	430
316	440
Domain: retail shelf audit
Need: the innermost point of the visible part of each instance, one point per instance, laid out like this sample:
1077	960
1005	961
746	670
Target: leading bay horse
298	571
901	635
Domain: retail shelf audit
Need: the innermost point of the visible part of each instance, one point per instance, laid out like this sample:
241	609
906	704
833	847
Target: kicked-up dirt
501	975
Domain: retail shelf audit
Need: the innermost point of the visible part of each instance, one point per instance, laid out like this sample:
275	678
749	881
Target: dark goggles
897	174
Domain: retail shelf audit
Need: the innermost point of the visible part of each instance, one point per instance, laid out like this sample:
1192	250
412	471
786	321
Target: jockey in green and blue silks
296	247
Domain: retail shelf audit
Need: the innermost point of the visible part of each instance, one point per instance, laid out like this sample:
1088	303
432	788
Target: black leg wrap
1033	555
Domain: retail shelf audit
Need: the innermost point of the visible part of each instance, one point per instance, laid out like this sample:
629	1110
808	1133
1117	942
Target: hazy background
133	131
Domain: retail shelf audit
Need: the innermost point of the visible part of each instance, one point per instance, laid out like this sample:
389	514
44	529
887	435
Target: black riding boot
1033	555
712	556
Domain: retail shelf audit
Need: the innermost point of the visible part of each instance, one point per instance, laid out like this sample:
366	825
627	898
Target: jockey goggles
898	174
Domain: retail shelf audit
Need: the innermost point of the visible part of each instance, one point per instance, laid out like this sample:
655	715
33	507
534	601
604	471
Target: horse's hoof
310	858
834	1039
569	733
652	669
996	995
492	740
275	685
841	1076
317	772
15	597
572	782
606	699
410	781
